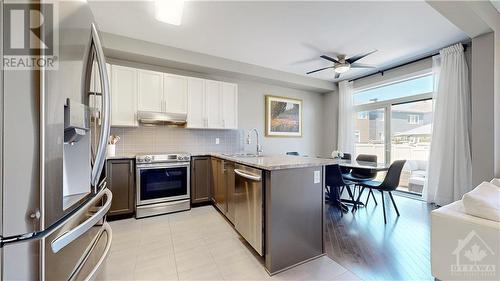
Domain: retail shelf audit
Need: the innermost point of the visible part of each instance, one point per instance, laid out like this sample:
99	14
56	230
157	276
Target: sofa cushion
495	182
483	201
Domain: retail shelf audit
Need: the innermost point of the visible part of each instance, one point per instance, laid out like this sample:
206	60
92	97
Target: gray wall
497	101
251	114
330	122
482	92
251	102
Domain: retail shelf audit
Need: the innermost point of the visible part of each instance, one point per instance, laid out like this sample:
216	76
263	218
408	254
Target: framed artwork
283	117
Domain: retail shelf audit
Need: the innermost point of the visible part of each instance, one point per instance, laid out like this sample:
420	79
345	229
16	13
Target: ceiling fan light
342	68
169	11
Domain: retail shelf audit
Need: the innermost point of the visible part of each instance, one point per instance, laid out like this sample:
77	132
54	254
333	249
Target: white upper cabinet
207	103
229	105
196	116
95	78
175	93
213	106
123	96
150	91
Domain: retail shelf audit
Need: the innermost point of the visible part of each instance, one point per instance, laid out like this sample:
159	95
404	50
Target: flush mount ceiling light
342	68
169	11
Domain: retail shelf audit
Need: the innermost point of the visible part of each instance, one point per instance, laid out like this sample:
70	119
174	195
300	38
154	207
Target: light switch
317	176
217	140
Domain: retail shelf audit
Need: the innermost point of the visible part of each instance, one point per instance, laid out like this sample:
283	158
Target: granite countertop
121	156
265	162
277	162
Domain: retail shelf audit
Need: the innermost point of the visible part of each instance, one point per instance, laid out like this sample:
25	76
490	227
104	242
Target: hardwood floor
399	250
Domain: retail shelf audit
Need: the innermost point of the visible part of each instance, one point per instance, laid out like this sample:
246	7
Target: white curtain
345	142
450	168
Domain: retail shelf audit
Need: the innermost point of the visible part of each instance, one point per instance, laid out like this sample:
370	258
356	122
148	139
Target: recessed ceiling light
169	11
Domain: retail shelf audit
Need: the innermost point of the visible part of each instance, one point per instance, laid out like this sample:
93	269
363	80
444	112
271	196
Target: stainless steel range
162	184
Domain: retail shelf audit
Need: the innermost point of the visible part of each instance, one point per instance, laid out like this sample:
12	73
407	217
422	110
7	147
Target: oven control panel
159	158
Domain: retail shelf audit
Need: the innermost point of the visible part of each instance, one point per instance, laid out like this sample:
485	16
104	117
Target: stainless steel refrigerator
54	129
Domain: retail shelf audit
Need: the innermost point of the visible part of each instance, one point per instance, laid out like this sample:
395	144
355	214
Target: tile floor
196	245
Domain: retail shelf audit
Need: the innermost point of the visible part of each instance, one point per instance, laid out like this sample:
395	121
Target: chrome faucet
249	140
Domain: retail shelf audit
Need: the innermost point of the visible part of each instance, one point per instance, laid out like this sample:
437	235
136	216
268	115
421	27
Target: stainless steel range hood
161	118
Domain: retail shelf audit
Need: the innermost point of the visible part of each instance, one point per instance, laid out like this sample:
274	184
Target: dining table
355	164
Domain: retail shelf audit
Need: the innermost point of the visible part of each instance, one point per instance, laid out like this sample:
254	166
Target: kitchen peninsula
275	202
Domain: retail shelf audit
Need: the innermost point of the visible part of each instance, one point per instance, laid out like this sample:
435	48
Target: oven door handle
161	166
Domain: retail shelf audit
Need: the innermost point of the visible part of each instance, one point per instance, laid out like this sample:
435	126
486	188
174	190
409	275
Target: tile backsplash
161	139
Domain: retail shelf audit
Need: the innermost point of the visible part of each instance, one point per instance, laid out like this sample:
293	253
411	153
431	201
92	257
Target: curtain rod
381	72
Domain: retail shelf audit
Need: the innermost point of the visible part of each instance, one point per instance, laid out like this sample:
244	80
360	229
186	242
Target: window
362	115
406	88
394	121
413	119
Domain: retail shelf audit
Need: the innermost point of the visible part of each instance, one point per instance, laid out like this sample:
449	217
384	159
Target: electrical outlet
317	176
217	141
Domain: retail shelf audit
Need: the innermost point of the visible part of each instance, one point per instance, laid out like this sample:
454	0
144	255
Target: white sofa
464	247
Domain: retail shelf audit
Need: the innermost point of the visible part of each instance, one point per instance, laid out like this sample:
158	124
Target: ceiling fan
342	64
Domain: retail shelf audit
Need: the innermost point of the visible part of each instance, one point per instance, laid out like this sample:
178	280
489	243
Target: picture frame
283	116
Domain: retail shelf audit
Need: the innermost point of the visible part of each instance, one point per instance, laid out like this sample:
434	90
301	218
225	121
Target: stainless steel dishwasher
248	205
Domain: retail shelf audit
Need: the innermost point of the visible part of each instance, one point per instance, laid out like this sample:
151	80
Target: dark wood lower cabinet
201	173
121	181
220	191
222	181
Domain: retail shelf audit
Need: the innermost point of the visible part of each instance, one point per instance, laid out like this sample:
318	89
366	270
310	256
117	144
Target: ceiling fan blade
319	69
329	58
337	75
362	65
358	57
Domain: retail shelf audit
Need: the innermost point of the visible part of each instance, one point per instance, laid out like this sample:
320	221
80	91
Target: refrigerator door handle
68	237
106	107
105	228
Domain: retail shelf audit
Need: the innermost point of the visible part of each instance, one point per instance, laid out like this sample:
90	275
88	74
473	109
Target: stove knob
147	159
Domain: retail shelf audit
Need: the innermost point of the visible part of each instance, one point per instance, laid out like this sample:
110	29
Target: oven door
162	182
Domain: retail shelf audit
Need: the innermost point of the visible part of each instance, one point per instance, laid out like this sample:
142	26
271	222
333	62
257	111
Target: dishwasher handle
247	175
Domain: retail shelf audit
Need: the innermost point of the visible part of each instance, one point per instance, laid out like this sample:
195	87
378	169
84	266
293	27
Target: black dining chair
333	182
345	156
390	183
344	170
293	153
360	175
